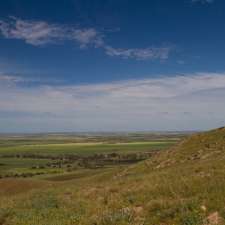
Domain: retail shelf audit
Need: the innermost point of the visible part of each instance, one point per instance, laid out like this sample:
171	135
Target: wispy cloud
40	33
34	33
19	80
140	54
176	102
87	36
10	78
203	1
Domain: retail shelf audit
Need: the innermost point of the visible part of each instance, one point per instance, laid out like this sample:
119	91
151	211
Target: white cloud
87	36
39	33
34	33
177	102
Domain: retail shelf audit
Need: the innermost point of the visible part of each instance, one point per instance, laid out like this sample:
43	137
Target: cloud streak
10	79
41	33
140	54
178	102
203	1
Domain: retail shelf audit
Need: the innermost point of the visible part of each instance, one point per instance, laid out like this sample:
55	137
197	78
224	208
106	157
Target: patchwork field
28	156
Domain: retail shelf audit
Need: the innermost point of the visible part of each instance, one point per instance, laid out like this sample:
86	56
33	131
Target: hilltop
184	185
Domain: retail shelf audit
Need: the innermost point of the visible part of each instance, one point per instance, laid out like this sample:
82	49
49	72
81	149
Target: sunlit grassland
179	185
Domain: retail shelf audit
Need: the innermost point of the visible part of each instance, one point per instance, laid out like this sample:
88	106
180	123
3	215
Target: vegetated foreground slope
184	185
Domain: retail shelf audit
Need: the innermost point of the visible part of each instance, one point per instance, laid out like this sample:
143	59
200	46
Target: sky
111	65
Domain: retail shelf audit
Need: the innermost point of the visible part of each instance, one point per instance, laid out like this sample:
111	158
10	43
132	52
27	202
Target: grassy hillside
184	185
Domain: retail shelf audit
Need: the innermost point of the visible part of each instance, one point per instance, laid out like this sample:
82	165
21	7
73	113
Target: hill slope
198	147
184	185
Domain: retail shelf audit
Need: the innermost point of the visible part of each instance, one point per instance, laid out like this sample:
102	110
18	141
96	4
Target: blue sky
111	65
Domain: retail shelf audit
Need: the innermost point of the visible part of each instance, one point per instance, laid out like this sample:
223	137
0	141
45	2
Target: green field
26	156
85	148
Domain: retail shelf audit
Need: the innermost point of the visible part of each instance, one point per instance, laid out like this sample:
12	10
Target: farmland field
43	155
